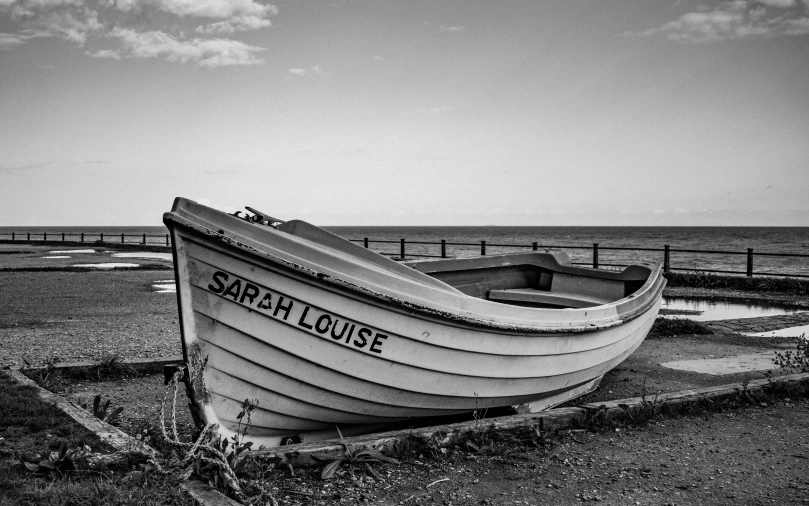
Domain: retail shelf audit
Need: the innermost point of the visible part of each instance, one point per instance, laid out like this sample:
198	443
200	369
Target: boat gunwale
648	290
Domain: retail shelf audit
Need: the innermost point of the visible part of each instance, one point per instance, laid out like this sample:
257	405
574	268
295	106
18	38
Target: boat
327	337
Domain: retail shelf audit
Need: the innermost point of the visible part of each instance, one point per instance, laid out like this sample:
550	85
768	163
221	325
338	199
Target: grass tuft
668	327
790	286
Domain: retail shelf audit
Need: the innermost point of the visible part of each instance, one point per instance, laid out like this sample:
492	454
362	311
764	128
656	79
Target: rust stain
196	371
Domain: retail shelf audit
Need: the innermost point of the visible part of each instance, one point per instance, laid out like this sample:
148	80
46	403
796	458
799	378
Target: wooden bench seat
534	296
566	291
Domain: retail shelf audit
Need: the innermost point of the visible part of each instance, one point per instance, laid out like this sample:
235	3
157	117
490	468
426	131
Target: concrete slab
803	330
760	361
762	324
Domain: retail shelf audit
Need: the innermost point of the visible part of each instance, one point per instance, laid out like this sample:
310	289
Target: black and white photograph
404	252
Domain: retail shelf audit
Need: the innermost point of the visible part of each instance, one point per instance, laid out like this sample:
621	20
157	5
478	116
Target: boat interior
532	279
544	280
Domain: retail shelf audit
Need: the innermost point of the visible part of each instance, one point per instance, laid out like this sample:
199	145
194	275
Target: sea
691	248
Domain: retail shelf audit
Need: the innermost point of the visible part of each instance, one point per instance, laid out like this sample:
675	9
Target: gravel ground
83	315
755	455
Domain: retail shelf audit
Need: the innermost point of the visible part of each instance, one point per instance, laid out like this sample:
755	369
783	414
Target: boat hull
318	355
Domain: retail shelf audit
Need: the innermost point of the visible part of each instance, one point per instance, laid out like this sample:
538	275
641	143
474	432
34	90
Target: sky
406	112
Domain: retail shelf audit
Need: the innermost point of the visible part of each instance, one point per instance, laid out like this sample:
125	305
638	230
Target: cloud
445	28
65	19
443	109
10	41
79	20
12	169
230	15
738	19
234	25
311	71
218	172
105	53
213	9
202	52
781	4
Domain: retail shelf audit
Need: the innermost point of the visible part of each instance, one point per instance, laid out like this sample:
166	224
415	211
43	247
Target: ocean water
576	241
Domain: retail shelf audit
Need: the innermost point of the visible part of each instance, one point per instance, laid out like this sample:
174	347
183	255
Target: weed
24	488
100	410
482	439
436	444
110	365
538	435
49	378
408	446
668	327
355	457
795	361
758	284
216	475
60	461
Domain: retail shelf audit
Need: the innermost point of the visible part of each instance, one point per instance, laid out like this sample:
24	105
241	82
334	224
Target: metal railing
81	237
442	250
666	253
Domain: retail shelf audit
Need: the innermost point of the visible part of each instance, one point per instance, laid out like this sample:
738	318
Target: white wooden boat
325	333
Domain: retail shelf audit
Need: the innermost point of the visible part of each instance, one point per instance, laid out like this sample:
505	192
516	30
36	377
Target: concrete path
761	324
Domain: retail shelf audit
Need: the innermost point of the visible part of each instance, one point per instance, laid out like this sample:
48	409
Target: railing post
29	236
401	248
102	236
63	237
595	255
44	236
749	262
482	248
82	237
666	258
365	242
535	246
443	248
122	238
12	236
167	239
144	238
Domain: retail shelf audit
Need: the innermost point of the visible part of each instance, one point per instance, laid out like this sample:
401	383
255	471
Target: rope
199	449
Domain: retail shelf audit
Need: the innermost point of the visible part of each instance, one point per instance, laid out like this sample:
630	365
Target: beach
81	314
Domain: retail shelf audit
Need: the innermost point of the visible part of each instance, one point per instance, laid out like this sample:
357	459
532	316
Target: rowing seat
566	291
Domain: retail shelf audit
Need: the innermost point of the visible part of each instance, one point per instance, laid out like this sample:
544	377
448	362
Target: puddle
165	287
702	310
144	254
803	330
726	365
73	251
56	256
107	265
